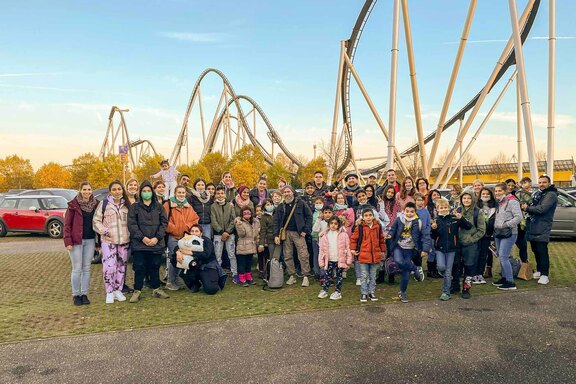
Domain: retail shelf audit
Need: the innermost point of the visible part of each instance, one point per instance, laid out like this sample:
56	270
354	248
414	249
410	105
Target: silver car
564	224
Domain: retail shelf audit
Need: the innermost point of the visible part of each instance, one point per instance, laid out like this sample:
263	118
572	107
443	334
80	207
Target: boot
487	273
430	270
466	287
135	296
160	294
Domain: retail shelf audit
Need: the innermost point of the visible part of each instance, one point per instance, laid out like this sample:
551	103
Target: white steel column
519	132
393	85
523	90
331	167
551	83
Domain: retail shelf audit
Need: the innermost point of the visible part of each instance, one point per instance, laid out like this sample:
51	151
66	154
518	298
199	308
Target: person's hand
179	256
302	234
69	247
153	241
260	248
387	236
355	253
237	220
146	241
424	254
277	240
225	236
458	215
379	198
382	255
434	225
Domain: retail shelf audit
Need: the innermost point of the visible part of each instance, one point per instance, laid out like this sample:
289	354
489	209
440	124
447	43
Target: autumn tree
244	173
105	171
17	172
81	168
148	165
306	172
195	170
53	175
216	164
251	154
275	172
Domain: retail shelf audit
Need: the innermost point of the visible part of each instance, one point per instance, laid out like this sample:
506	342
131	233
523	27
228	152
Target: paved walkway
524	337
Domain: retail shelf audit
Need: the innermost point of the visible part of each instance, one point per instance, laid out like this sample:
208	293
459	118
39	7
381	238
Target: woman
242	201
228	184
281	184
111	223
391	204
160	191
477	186
406	192
260	192
147	225
201	202
181	217
487	206
433	196
371	195
132	190
80	240
422	187
455	193
211	189
508	216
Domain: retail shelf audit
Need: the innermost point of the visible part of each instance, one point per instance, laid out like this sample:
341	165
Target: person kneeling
195	255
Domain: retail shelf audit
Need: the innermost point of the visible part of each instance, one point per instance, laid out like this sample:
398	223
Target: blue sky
64	63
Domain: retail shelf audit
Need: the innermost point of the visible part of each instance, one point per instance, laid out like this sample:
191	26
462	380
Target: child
222	220
308	196
320	225
334	254
445	235
266	246
367	243
248	231
317	217
169	175
407	237
276	197
424	216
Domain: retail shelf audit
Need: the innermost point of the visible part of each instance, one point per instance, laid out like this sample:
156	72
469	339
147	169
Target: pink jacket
344	255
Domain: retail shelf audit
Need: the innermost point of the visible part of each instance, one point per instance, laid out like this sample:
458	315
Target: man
296	226
541	211
185	180
350	188
390	180
372	180
259	193
320	187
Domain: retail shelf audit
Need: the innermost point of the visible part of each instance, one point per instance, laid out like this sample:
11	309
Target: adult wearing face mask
132	190
201	201
147	225
160	191
406	193
181	217
111	223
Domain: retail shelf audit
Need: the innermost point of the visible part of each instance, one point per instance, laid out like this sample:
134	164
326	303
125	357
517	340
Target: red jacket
372	245
73	224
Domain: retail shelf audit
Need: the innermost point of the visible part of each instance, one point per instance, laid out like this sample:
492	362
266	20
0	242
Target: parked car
100	193
34	214
564	224
68	194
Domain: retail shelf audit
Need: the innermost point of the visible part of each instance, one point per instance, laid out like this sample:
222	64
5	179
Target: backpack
273	274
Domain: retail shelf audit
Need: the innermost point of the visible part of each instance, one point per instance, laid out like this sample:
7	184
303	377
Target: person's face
146	189
372	180
352	181
419	203
116	191
409	213
454	193
200	186
466	200
276	198
165	167
288	193
527	185
333	226
368	217
485	194
543	183
281	184
132	187
369	192
195	231
227	178
219	194
511	186
262	185
477	187
362	199
318	178
436	196
390	193
309	190
443	209
86	192
245	194
499	192
341	200
408	184
258	211
391	177
185	180
210	189
180	193
160	189
422	185
328	214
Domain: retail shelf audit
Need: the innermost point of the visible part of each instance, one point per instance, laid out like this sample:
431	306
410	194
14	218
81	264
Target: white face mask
318	206
269	208
485	199
408	188
221	201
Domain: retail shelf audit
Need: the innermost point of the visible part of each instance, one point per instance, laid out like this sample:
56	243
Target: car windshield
54	202
68	194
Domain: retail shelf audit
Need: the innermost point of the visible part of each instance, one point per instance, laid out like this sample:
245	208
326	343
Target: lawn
36	300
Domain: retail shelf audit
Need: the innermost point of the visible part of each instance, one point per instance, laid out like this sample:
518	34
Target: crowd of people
209	233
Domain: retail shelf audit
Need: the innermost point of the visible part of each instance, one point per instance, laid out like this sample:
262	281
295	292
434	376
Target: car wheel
55	229
2	229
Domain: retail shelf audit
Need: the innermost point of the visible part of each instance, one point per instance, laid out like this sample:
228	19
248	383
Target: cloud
28	74
42	88
195	37
505	41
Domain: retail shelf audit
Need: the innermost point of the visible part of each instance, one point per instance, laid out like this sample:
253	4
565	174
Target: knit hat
351	174
241	189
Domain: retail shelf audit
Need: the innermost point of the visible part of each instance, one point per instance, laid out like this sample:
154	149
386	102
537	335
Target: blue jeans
81	258
444	262
504	246
207	230
230	248
368	277
403	258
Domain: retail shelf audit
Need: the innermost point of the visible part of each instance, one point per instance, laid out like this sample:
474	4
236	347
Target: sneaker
85	300
402	296
305	282
445	296
499	282
291	280
475	280
363	298
543	280
335	295
358	282
77	300
466	294
135	296
323	294
507	286
419	274
109	298
159	294
372	297
172	287
536	275
119	296
235	280
479	280
244	283
251	282
299	273
126	289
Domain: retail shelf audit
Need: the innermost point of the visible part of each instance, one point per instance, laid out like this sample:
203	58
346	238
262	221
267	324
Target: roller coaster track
352	45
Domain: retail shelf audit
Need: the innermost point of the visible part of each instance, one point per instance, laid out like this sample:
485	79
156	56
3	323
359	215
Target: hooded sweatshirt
147	221
478	229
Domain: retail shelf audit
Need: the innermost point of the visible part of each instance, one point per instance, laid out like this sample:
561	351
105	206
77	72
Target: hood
471	194
402	217
145	183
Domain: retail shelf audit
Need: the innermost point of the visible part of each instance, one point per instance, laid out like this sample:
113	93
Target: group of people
207	232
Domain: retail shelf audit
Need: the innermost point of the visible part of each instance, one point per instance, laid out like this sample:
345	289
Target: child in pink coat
334	254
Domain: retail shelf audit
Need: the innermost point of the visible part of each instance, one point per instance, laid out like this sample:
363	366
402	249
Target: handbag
282	234
390	266
502	233
525	272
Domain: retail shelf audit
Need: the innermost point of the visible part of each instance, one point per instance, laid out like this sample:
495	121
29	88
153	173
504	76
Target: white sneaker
536	275
335	295
110	298
323	294
358	282
480	280
543	280
119	296
291	280
305	282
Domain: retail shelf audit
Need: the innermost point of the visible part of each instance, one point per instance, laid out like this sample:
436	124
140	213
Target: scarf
240	202
178	203
202	196
227	186
87	206
339	207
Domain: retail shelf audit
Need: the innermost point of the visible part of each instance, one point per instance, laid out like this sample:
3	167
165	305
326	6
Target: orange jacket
372	245
180	219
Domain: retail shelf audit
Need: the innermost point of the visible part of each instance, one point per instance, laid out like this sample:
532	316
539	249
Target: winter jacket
302	216
345	257
147	221
372	245
350	194
322	191
238	209
222	217
230	193
74	223
445	236
392	209
426	221
179	219
309	200
348	214
508	214
403	201
525	197
489	218
266	229
420	233
113	225
201	209
248	236
478	230
541	213
254	196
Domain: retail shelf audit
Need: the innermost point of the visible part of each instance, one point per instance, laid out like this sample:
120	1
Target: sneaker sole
507	289
337	298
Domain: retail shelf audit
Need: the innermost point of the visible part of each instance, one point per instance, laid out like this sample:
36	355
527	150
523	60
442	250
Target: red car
34	213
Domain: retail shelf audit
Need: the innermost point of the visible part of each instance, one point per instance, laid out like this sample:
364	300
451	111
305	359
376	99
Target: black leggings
208	278
484	255
540	249
146	263
522	245
244	263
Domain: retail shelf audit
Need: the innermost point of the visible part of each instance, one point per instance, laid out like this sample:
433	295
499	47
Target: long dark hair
490	203
403	191
371	200
431	206
124	194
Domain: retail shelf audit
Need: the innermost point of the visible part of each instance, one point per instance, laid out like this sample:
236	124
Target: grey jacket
508	214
